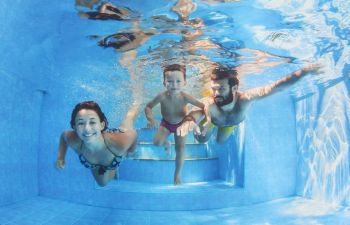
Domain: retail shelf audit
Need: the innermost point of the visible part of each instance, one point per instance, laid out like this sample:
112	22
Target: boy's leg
180	157
161	138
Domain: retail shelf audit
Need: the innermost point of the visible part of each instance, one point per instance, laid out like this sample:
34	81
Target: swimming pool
294	143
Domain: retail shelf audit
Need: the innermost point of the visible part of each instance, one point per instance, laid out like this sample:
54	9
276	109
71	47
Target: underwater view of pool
286	162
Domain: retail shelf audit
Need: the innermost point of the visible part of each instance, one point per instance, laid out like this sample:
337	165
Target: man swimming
227	106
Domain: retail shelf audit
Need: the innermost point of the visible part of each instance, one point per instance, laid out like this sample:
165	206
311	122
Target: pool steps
146	181
151	164
121	194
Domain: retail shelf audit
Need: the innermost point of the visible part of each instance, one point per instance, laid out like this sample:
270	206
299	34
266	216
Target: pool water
287	164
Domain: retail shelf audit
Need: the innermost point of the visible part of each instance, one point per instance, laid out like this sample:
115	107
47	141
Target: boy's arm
148	109
193	101
279	85
190	121
196	114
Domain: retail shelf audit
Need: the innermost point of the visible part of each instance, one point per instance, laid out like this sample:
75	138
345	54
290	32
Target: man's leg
224	133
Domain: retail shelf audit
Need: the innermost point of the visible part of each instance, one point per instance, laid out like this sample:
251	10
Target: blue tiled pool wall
270	148
20	113
24	66
323	134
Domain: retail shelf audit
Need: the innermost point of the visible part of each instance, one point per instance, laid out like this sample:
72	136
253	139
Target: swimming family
102	149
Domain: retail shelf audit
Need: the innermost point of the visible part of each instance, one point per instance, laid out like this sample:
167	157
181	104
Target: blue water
289	164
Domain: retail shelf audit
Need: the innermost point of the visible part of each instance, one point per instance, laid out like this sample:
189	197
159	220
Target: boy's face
174	81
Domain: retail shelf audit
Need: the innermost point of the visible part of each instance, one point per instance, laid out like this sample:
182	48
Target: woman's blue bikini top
102	168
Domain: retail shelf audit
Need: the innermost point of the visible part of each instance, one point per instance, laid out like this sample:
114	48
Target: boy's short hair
174	67
222	72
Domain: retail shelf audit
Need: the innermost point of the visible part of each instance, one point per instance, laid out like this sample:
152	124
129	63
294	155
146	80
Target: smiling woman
99	148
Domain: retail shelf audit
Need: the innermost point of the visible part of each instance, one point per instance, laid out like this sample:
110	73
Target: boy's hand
60	163
151	124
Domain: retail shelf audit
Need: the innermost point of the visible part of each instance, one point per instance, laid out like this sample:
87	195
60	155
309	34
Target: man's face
222	93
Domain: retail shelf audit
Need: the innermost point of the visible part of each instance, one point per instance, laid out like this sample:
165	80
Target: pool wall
323	134
24	67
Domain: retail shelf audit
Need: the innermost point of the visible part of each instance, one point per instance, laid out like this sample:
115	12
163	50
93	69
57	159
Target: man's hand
314	67
186	127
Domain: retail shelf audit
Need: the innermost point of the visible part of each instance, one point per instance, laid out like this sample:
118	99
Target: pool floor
296	210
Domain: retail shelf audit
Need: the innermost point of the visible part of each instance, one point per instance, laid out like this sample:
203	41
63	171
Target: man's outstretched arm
280	84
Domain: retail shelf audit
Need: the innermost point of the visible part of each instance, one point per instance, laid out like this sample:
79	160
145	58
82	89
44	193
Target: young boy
173	104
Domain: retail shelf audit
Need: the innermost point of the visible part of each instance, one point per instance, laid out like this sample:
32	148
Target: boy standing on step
173	103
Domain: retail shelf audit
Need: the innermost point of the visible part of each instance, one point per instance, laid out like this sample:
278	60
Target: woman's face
88	125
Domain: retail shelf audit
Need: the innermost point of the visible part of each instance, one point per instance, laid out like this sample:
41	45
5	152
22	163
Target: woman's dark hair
88	105
222	72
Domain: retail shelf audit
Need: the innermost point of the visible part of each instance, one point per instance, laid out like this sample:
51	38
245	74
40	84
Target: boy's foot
167	147
177	181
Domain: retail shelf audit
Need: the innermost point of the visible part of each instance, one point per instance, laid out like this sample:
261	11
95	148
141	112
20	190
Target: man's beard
227	100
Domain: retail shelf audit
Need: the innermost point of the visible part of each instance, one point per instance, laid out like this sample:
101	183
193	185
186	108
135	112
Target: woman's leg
103	179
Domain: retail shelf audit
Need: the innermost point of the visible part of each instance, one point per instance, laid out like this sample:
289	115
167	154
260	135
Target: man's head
224	85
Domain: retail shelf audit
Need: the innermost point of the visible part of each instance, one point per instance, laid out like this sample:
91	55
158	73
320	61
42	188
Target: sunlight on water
324	160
